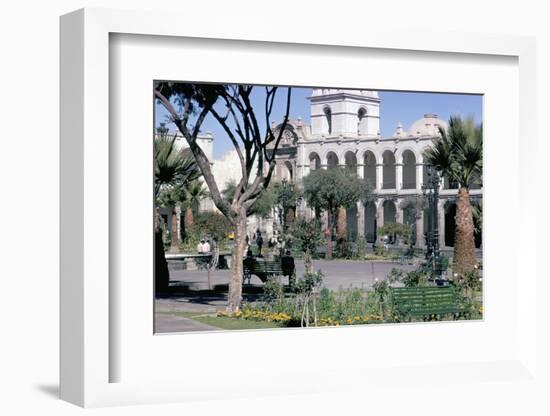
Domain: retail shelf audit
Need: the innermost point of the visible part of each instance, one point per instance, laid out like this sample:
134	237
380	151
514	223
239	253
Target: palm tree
173	197
195	192
458	155
172	166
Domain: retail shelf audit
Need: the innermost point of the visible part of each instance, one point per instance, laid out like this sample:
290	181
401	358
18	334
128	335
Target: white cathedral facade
345	132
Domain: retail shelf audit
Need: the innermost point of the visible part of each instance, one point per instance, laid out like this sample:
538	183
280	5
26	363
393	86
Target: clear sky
404	107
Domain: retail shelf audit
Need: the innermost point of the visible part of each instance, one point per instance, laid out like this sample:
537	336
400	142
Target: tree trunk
328	235
341	225
162	275
174	240
464	258
236	277
189	220
307	262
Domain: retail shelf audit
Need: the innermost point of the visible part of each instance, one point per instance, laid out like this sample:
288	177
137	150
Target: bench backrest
267	266
417	301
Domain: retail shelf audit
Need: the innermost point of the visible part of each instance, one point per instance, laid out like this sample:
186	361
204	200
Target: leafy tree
172	197
252	137
397	230
458	155
265	202
308	235
211	224
328	190
412	207
287	196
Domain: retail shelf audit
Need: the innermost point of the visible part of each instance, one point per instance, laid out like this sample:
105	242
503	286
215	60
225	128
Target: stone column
360	219
361	171
379	176
398	212
380	213
419	175
398	177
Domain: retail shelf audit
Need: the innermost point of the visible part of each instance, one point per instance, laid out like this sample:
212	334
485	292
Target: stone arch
390	211
388	170
362	121
427	225
409	169
332	160
351	223
449	210
350	161
370	222
314	161
409	218
369	168
288	172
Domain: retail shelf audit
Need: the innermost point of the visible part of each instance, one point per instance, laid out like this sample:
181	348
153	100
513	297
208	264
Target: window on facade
328	115
362	121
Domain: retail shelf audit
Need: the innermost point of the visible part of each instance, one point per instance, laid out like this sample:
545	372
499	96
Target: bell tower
347	113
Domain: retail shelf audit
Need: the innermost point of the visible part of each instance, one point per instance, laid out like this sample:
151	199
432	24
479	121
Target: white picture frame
87	302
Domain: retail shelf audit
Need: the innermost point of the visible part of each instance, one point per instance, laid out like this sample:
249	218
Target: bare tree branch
200	157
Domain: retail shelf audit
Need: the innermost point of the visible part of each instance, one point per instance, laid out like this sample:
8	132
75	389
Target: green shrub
343	250
360	249
415	278
207	224
397	230
307	235
273	292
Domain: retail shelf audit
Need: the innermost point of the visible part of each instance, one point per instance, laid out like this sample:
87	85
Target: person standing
259	242
200	246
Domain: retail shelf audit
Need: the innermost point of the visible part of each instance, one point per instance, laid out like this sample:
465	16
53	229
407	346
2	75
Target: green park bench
265	269
425	302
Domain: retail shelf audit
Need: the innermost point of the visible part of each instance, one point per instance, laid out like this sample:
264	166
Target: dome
427	126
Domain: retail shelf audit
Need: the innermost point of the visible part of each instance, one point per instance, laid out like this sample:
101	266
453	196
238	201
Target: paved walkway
165	323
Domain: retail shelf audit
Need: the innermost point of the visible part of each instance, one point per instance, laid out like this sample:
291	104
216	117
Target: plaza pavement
194	296
337	274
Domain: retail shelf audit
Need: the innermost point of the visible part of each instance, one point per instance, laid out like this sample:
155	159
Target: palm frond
173	166
458	152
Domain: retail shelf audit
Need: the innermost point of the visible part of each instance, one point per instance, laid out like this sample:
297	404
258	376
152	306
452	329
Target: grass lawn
224	322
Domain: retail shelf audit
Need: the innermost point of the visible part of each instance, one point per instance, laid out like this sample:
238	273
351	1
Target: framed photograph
321	215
